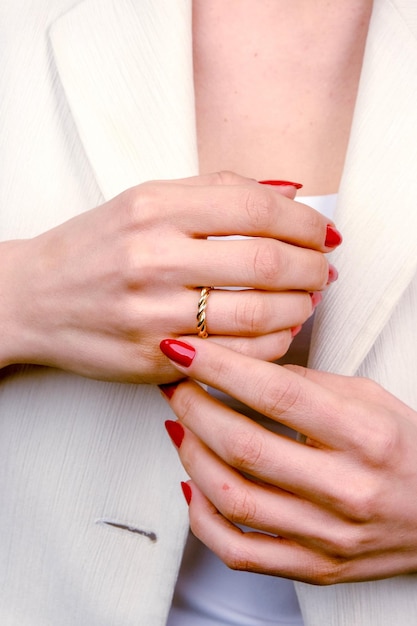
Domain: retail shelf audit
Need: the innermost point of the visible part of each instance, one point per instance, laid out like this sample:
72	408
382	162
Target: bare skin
261	109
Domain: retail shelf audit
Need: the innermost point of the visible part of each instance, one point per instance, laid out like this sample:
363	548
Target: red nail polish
333	237
296	330
168	389
186	489
175	431
316	298
280	183
178	351
333	274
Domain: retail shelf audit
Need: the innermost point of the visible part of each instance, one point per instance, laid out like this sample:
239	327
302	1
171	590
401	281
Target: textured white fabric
375	336
74	451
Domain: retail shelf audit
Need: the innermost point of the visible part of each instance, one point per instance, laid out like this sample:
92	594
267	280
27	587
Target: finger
279	556
242	313
249	209
349	386
286	188
268	347
221	178
251	551
268	388
260	263
251	448
261	506
251	312
372	407
247	313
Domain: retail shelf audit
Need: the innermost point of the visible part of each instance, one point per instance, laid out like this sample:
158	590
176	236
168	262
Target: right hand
96	294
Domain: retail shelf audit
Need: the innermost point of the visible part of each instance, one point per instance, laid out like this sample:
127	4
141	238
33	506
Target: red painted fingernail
168	389
296	330
175	431
333	237
186	489
333	274
178	351
280	183
316	298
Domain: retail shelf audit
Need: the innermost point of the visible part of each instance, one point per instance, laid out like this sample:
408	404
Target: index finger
286	188
248	209
268	388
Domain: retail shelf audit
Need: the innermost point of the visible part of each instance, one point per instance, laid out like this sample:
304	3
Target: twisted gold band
201	313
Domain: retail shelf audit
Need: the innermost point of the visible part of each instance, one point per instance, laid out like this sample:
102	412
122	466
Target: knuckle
258	207
220	370
137	265
386	443
329	572
251	316
268	262
225	177
280	399
346	544
187	406
128	320
322	270
240	506
367	386
246	448
361	503
234	553
141	204
236	557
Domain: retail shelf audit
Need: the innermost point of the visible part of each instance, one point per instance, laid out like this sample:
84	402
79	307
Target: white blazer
102	101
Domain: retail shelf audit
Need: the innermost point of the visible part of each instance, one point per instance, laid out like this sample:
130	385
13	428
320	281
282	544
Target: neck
276	84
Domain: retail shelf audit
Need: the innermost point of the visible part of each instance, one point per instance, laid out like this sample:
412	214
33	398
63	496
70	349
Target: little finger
254	551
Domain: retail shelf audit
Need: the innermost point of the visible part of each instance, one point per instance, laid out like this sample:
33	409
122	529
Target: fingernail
186	489
333	274
178	351
175	431
168	389
296	330
333	237
316	298
280	183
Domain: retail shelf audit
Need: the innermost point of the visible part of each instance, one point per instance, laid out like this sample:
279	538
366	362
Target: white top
208	593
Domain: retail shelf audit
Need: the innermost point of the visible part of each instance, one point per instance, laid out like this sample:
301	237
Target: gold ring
201	313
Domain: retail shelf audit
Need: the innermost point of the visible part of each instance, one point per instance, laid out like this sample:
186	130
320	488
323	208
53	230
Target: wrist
12	323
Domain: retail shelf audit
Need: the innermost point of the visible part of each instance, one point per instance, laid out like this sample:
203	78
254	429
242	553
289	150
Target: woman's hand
97	294
340	507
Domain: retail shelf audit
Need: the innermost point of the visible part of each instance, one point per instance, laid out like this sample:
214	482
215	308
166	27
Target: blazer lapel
378	257
126	68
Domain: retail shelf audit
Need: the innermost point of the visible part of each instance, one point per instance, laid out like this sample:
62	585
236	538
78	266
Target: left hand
340	507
